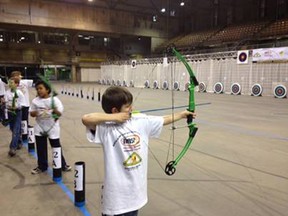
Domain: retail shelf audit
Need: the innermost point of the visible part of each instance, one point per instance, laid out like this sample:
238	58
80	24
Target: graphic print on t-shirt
132	160
130	143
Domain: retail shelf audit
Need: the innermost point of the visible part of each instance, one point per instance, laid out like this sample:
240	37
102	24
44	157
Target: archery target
218	88
187	86
256	90
131	83
147	84
202	87
133	63
118	83
280	91
176	86
155	84
235	89
165	85
242	57
124	83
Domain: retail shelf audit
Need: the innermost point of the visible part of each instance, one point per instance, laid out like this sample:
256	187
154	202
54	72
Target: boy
2	93
14	100
125	140
47	110
24	87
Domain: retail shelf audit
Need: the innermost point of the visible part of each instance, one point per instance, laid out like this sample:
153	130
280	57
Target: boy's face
42	91
126	108
12	84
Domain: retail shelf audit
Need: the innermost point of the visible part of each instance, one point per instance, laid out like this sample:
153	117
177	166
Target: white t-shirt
44	120
19	100
125	149
24	87
2	88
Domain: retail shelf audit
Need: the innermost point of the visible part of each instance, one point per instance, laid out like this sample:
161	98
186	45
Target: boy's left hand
186	113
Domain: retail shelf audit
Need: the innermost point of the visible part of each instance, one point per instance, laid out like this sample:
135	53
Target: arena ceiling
152	7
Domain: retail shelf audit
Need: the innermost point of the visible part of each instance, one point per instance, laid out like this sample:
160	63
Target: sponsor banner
270	54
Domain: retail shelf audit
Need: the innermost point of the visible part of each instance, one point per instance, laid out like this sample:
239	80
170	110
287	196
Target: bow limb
170	168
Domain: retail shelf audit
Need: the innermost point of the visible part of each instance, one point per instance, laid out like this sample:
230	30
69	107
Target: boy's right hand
121	117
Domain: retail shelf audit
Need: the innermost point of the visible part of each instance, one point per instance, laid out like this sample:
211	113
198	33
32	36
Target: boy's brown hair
115	96
15	73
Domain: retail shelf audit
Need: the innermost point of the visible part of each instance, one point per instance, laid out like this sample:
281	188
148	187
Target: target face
256	90
202	87
235	89
165	85
155	84
280	91
218	88
176	85
147	84
242	57
124	83
131	83
133	64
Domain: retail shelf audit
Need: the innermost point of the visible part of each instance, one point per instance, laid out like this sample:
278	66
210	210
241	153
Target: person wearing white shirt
47	110
2	104
24	86
14	100
125	139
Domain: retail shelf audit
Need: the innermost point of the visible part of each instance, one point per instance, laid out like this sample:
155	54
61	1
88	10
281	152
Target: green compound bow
170	168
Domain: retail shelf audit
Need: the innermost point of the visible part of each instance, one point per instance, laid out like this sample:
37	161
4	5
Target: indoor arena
143	107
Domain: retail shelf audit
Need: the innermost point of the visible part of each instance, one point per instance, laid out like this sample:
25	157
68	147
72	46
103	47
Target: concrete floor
236	166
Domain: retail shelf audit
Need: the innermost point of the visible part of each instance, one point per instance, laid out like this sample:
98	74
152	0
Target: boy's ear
114	110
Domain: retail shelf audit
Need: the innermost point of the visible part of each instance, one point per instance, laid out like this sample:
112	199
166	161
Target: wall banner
270	54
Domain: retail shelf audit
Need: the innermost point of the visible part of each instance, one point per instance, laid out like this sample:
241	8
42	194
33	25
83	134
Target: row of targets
80	92
164	85
279	90
113	82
